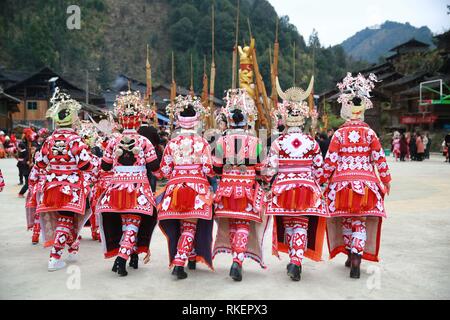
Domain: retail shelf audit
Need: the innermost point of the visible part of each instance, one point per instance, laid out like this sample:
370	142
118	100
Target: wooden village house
31	96
396	98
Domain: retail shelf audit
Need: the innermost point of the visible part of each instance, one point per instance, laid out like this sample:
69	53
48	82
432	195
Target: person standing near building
403	147
396	145
355	193
420	147
413	147
427	143
23	166
447	144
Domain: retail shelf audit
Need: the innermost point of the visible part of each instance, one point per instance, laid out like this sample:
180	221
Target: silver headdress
294	109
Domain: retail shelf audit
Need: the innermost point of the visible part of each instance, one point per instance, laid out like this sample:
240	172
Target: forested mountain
114	34
371	43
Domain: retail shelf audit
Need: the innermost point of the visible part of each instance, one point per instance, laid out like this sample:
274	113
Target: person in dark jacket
151	133
24	167
403	147
447	143
324	143
413	147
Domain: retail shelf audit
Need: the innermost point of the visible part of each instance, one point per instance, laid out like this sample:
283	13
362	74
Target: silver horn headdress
295	94
294	109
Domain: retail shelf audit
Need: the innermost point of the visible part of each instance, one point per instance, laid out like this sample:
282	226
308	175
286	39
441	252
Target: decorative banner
418	119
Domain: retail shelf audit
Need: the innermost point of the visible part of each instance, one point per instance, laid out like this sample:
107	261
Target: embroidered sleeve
108	153
218	153
379	159
317	162
82	154
270	164
149	152
331	158
207	162
41	157
94	172
33	178
166	166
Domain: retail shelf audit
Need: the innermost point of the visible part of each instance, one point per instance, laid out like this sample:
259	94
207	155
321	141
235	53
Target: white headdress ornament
352	87
238	99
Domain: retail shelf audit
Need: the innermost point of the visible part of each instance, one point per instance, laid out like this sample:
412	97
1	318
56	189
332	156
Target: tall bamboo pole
234	60
149	91
191	88
205	85
311	96
274	70
293	64
213	73
260	89
173	90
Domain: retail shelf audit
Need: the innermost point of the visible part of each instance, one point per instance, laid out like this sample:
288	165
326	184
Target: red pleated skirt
236	205
54	198
299	198
183	199
349	200
122	199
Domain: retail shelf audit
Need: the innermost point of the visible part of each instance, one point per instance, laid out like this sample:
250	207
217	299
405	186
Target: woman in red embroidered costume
295	164
358	178
62	203
184	213
89	135
239	197
126	210
36	182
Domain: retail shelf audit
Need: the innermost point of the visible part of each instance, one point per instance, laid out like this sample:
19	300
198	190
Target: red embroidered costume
62	203
184	213
36	182
358	178
239	197
295	200
125	210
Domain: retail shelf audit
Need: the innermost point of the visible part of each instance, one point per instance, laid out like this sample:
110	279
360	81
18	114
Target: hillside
372	43
114	35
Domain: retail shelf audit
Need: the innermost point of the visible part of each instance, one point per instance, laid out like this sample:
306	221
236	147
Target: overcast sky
337	20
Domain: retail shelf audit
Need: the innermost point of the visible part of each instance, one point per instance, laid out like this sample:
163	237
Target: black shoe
179	272
120	266
192	264
134	260
348	262
355	266
236	272
294	271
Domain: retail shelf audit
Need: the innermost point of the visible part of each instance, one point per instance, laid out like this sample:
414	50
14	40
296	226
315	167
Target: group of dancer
258	186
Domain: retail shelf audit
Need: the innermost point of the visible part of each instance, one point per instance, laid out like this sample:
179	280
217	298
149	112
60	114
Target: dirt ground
415	253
